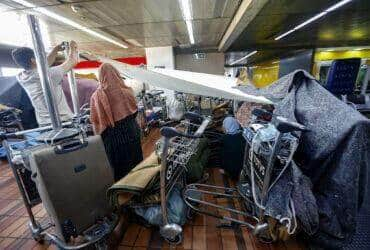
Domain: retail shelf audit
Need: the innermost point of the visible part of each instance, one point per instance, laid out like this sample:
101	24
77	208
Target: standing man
30	80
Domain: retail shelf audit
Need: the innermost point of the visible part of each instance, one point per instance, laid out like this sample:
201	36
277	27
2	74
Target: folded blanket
198	162
136	182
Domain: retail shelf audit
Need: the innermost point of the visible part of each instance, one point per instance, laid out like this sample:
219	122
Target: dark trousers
123	146
233	154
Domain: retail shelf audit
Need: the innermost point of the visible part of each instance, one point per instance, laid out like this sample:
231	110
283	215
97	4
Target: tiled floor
201	233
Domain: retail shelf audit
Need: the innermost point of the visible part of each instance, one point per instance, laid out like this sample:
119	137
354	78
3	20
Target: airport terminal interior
185	124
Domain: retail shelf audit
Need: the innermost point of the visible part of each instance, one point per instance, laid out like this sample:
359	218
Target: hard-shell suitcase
72	180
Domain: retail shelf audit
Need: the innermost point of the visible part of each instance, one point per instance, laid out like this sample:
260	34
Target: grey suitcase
72	182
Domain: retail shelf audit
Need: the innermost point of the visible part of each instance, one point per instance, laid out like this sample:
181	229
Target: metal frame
255	202
42	68
39	231
72	83
58	133
35	227
177	149
150	100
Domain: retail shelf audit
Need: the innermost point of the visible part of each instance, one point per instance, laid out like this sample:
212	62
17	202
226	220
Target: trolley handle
193	117
6	136
70	146
170	132
153	93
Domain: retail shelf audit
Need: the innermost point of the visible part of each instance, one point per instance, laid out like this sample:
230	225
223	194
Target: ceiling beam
246	12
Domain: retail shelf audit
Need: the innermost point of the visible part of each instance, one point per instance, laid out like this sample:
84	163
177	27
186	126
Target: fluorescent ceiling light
337	5
189	26
244	57
69	22
314	18
134	42
185	6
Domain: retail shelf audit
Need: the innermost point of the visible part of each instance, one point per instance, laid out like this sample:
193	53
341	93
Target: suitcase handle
70	146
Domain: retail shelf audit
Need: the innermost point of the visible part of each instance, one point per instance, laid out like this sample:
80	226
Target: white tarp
187	82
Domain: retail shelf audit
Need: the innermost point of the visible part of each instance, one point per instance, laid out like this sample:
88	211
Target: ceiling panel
53	25
163	10
150	22
75	35
109	50
150	29
40	3
213	8
5	7
113	12
346	26
210	26
283	7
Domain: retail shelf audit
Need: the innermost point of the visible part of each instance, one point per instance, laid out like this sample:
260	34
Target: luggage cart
262	168
10	120
177	148
20	165
27	188
156	102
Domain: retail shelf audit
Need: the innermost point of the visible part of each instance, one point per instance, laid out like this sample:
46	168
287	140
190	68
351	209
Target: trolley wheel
175	241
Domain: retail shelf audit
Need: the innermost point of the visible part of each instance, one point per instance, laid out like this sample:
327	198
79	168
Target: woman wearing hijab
113	112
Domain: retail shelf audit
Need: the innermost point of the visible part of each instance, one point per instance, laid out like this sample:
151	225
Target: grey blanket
334	155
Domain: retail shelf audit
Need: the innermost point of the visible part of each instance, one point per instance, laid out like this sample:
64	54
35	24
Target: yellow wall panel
333	55
265	74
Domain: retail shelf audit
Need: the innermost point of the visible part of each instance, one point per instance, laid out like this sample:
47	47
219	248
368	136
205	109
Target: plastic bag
176	210
176	109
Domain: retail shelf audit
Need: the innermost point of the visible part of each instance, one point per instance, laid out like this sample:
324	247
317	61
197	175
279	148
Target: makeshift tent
187	82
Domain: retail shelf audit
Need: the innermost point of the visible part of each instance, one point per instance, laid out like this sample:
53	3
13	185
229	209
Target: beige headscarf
112	101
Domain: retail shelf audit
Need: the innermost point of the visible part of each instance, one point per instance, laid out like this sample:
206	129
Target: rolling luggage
72	179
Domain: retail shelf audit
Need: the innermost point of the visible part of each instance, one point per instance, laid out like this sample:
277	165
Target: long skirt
123	146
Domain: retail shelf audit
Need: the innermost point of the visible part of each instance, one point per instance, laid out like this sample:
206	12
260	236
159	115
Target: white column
161	57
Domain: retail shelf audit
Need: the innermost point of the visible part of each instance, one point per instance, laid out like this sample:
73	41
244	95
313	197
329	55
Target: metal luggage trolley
19	163
263	166
155	101
178	146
